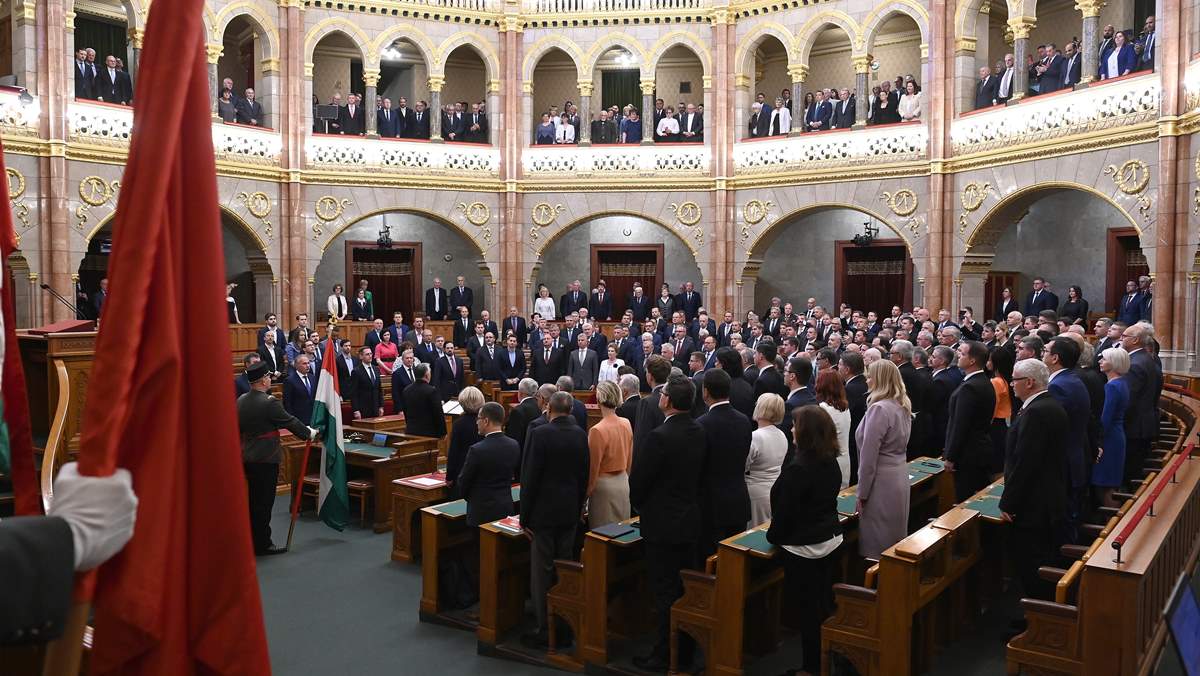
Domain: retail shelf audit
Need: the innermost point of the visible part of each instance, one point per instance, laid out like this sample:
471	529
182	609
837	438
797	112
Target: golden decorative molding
862	64
1090	8
544	214
903	202
973	196
1021	26
327	209
214	52
258	204
476	213
436	82
16	192
647	87
962	45
798	73
755	211
585	87
687	213
1132	178
94	192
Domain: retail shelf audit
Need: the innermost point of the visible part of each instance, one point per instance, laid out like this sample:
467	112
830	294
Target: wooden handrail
1169	476
55	440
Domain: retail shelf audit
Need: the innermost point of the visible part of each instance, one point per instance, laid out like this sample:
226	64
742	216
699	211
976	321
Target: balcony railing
469	5
357	153
18	117
610	6
829	149
1103	106
616	160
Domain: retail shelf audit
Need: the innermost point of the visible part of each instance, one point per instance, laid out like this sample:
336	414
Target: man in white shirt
692	125
1005	90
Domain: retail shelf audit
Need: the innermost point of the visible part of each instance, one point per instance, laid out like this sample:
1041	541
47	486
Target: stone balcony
826	150
616	161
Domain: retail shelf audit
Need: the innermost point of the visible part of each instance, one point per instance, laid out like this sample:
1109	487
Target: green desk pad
632	536
930	466
459	507
847	505
368	449
755	540
989	503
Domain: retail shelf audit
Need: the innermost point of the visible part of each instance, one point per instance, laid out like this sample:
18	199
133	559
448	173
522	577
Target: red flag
182	597
14	418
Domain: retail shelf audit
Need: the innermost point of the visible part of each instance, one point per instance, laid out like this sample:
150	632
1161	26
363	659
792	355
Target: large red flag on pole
182	598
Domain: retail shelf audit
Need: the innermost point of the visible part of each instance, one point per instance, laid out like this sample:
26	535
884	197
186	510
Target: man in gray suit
583	366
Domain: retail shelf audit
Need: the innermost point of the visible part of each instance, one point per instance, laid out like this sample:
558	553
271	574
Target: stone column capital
721	16
493	86
511	22
585	87
798	73
741	81
647	87
436	82
1090	8
214	52
371	77
136	35
1021	26
862	64
527	87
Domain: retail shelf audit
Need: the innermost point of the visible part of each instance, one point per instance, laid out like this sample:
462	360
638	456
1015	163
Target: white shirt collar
1054	375
1029	400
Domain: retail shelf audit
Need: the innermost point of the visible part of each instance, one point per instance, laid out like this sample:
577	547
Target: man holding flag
260	417
333	500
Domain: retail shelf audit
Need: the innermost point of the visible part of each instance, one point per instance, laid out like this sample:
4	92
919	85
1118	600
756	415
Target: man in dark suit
476	126
352	118
387	122
1072	66
489	326
423	415
1004	86
1129	310
600	304
1035	482
968	445
572	300
682	345
769	378
448	375
985	88
273	356
818	115
702	323
453	123
1145	382
689	302
346	361
402	377
773	323
112	85
583	365
299	389
850	368
1061	357
418	126
462	296
546	361
664	487
241	384
1052	71
511	364
524	412
554	479
85	76
515	324
916	385
946	378
630	396
639	304
486	478
843	111
374	335
649	415
250	111
487	364
272	326
437	301
691	124
798	375
464	328
1040	298
604	130
366	386
724	502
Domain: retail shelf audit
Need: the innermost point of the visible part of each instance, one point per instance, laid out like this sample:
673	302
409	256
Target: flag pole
296	493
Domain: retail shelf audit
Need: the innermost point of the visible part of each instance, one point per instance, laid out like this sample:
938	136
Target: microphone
59	298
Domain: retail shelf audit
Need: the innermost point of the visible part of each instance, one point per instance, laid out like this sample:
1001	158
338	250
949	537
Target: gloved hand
314	434
100	511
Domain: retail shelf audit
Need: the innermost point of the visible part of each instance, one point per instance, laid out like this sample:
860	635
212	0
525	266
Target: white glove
100	511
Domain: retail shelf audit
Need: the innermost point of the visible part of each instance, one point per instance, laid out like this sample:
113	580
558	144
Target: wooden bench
409	496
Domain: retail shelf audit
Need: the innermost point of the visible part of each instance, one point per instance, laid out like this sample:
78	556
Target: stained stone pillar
585	111
435	104
862	68
214	79
798	74
1091	29
135	53
647	107
1021	26
371	80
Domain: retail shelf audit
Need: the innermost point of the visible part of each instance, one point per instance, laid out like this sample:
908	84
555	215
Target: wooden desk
503	583
396	423
408	499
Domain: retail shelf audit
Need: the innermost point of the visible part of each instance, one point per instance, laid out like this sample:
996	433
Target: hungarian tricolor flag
333	501
183	596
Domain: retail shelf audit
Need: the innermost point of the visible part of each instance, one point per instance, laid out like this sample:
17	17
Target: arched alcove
423	247
830	66
337	72
246	59
770	75
619	249
679	81
466	85
103	25
555	82
404	74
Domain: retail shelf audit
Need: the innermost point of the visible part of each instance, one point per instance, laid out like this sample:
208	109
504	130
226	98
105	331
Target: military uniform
260	417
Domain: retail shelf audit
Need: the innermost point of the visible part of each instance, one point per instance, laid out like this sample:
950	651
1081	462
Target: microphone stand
59	298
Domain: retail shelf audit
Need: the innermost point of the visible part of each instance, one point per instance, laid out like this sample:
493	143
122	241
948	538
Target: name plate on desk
426	481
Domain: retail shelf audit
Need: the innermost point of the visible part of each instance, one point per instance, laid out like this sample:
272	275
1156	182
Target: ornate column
1021	26
1173	257
1091	28
135	53
585	106
214	52
527	113
648	105
25	45
799	74
435	105
495	116
54	83
862	68
371	80
295	124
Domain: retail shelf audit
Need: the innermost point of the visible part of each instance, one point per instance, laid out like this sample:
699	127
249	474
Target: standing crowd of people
833	108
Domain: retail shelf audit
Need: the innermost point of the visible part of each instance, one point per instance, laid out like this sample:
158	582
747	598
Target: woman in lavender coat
882	437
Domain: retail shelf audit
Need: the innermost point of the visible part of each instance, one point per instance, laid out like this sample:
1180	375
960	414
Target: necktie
371	374
410	375
547	356
491	353
306	385
451	360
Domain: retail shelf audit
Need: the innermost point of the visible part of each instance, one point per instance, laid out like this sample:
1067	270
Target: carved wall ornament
16	193
544	214
327	209
1196	191
1132	178
477	213
688	213
973	196
259	206
95	192
903	202
756	210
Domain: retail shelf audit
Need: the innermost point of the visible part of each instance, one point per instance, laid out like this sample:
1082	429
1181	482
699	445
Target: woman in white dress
910	103
609	367
337	304
544	304
831	396
768	446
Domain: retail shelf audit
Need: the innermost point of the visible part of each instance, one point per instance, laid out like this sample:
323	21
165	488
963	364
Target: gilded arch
614	212
410	33
686	39
335	25
255	15
750	42
543	46
609	41
765	237
135	12
817	24
416	211
478	43
883	13
247	234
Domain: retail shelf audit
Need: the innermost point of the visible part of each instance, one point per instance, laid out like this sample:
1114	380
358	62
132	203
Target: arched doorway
769	76
554	86
338	76
830	68
679	81
466	85
245	265
813	254
423	247
621	249
245	49
404	78
896	46
1070	236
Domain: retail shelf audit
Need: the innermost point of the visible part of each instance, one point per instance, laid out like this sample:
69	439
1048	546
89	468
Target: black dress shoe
271	551
651	662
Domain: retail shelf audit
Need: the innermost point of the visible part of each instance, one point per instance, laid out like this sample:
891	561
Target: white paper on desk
452	407
426	481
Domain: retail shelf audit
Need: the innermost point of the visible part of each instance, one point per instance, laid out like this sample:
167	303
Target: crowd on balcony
671	124
243	109
460	121
1051	70
108	83
831	108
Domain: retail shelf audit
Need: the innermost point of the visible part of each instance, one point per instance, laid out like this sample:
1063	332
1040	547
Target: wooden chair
362	489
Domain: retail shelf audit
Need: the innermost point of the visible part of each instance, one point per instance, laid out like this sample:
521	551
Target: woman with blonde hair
768	448
882	438
610	442
463	434
1110	466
